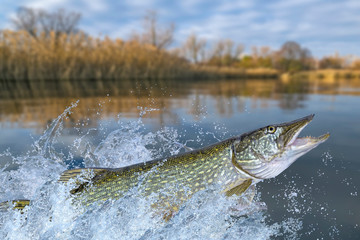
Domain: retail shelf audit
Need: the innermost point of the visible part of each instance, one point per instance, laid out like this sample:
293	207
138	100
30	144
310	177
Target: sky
323	26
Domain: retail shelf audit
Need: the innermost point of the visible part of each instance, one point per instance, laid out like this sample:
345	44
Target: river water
47	127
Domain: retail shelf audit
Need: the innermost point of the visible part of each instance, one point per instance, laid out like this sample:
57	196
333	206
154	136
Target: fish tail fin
18	204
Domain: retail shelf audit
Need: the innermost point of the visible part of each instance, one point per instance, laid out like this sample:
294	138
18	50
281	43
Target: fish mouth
309	141
293	129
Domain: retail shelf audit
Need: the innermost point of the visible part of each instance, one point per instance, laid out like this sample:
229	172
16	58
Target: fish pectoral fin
19	204
169	213
244	202
239	189
166	209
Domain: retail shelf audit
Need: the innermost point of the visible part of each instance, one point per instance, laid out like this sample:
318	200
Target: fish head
268	151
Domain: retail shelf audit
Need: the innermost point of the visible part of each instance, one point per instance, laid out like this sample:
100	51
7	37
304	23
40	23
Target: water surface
113	124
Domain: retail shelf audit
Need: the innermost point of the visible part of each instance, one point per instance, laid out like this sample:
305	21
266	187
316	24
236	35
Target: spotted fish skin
177	177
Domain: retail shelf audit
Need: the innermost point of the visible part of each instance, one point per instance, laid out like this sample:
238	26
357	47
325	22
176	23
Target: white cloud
273	26
292	4
191	6
234	5
140	3
45	4
331	21
318	48
96	5
353	4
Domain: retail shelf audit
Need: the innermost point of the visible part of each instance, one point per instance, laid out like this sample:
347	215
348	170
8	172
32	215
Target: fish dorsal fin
239	189
88	175
74	173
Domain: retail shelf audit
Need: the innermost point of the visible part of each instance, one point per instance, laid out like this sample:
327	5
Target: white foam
52	214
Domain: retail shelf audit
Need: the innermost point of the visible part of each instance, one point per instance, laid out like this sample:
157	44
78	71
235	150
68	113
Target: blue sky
323	26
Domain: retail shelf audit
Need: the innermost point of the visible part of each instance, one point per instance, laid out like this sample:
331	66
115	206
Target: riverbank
326	75
211	72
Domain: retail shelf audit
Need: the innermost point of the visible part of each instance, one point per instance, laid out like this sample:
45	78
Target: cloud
327	23
219	25
318	48
191	6
225	6
141	4
45	4
293	4
96	5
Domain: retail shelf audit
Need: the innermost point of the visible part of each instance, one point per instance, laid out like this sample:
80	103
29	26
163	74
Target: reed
77	56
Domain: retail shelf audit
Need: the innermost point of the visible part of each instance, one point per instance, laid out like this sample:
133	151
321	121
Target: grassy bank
80	57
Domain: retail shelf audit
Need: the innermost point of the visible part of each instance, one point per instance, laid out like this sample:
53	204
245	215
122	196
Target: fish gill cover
52	214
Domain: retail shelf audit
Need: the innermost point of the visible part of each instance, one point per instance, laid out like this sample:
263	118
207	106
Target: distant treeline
50	46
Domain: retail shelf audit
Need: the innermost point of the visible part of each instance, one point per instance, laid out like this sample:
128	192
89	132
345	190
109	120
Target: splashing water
53	216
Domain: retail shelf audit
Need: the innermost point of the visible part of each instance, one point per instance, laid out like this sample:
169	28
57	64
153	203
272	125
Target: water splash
53	215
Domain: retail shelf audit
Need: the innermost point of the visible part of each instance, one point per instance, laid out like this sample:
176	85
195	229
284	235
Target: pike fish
234	166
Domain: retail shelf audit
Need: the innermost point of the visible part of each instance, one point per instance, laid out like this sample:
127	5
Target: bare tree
225	53
155	35
254	52
227	48
195	48
219	49
36	21
265	51
59	21
27	19
231	52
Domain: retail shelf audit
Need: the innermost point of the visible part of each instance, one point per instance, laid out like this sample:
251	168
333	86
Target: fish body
230	167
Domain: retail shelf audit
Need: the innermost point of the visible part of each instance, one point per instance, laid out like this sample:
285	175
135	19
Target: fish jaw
308	142
295	145
300	146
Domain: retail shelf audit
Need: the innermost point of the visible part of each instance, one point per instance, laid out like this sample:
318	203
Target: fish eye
271	129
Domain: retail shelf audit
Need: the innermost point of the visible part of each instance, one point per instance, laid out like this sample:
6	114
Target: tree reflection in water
35	104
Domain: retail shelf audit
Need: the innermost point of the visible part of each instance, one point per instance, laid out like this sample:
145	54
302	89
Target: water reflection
35	104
